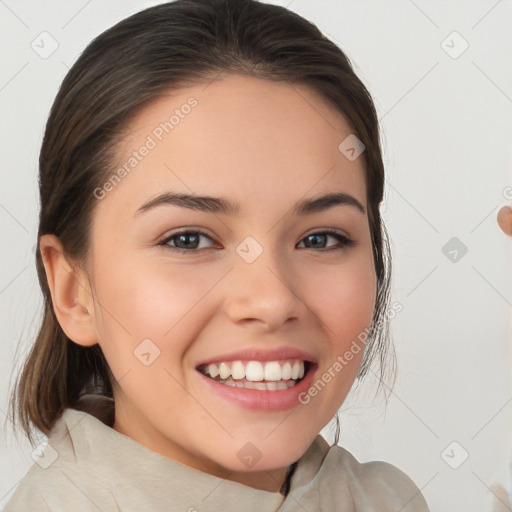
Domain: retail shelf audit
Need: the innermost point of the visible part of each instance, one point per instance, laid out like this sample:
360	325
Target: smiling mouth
260	375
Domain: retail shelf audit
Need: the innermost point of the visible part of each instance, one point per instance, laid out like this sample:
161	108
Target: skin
267	145
505	219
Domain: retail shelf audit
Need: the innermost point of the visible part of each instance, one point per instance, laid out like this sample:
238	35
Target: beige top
88	467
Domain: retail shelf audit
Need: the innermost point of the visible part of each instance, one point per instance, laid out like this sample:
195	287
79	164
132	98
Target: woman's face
255	280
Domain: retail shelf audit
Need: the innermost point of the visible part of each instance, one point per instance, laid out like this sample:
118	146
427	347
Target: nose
263	293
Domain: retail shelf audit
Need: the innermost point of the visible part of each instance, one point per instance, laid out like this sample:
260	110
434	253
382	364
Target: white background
446	126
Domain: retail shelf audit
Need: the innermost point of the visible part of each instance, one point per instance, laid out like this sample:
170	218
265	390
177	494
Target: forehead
258	139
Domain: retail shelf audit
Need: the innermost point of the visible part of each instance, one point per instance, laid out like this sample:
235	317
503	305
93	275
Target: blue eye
320	236
188	241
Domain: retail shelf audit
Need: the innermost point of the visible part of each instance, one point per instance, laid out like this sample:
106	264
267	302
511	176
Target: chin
261	453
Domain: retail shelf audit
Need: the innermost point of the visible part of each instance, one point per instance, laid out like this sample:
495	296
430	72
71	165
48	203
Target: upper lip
259	354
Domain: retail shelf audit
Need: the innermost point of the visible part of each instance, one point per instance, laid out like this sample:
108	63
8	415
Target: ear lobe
71	295
505	220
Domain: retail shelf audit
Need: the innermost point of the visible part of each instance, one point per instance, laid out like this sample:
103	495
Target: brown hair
117	75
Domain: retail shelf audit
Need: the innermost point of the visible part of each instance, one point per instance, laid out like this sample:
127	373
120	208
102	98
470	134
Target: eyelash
342	239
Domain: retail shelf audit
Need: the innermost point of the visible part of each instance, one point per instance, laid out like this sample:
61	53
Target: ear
505	220
70	291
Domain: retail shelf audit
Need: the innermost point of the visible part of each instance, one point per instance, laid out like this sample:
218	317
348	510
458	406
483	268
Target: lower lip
262	400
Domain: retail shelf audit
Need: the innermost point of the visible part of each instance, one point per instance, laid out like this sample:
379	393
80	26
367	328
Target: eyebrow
224	206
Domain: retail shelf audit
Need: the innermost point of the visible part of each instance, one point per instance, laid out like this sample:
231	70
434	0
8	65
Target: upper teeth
257	371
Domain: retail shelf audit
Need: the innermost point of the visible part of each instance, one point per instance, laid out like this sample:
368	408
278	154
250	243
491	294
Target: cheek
346	301
147	301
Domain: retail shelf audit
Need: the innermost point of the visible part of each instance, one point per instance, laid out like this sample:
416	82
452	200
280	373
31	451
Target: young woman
214	269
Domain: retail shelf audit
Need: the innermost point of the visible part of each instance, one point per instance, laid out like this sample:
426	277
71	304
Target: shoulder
49	482
35	489
28	495
375	484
